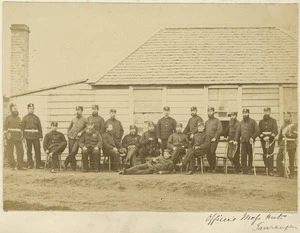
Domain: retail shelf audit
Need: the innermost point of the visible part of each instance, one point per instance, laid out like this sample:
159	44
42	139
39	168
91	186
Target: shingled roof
209	56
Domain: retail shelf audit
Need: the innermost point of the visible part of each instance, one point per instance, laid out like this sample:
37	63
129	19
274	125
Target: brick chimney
19	58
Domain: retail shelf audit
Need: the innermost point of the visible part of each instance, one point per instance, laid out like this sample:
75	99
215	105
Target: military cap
151	123
211	109
133	127
30	105
193	108
79	107
113	110
288	113
54	123
200	124
232	113
178	125
12	105
95	106
166	108
246	110
267	109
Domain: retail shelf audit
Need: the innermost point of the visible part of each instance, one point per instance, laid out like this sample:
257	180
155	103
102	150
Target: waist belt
31	130
266	133
15	130
197	147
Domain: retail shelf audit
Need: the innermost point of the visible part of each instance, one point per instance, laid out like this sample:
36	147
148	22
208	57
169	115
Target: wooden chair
201	164
47	161
225	159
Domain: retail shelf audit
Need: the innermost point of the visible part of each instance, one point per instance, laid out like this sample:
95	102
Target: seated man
160	165
177	143
55	143
111	147
149	144
90	143
199	145
131	143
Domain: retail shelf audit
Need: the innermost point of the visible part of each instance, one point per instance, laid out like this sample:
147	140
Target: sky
74	41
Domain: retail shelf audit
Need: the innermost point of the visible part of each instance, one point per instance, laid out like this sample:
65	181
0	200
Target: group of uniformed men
166	142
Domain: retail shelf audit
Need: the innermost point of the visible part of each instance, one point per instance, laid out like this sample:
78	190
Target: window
147	107
224	101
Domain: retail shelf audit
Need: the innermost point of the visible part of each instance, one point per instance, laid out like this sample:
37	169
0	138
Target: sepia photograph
182	107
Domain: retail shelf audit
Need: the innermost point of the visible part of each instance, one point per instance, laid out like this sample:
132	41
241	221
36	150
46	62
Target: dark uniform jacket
92	139
268	125
165	127
13	125
246	130
201	140
32	122
109	141
53	139
192	125
98	122
118	130
213	128
161	164
177	140
290	132
149	144
77	125
130	140
232	128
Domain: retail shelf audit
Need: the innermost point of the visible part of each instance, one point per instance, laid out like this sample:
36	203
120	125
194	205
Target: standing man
55	143
97	120
149	144
289	131
131	142
13	135
246	132
192	126
177	143
213	128
231	131
33	134
199	145
75	130
164	128
111	147
118	130
91	143
268	131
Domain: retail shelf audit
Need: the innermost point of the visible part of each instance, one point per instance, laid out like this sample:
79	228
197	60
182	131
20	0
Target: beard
95	113
287	121
266	116
15	113
210	116
246	118
78	115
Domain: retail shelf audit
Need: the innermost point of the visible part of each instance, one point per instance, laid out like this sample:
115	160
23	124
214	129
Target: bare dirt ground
104	191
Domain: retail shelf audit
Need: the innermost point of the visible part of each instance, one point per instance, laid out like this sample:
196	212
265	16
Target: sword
253	154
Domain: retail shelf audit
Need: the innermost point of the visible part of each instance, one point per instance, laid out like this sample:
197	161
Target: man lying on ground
160	165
